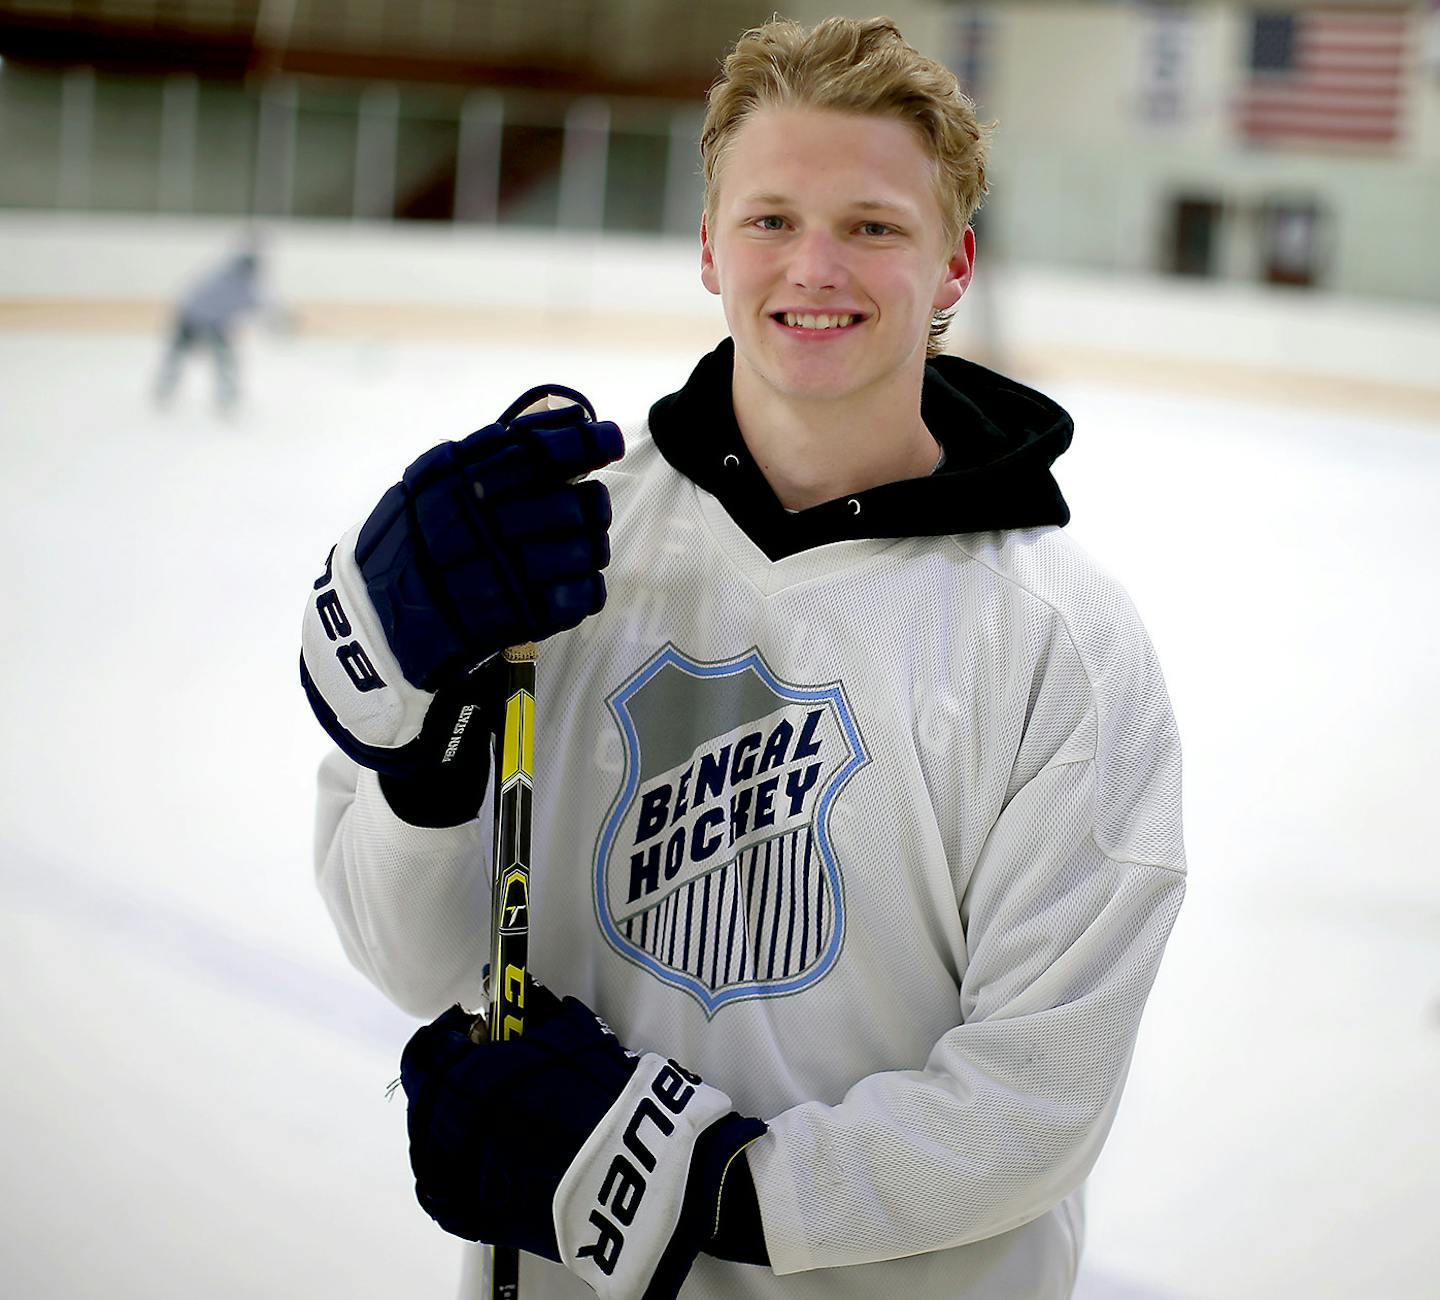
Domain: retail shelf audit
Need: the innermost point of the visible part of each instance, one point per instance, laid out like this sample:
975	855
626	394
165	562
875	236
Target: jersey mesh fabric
451	906
1060	959
1007	865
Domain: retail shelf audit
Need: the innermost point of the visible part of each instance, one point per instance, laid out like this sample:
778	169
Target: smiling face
826	245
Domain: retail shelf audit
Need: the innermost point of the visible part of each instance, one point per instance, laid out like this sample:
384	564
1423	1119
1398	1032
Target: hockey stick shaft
510	899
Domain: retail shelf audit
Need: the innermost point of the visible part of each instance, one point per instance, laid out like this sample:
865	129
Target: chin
814	386
820	379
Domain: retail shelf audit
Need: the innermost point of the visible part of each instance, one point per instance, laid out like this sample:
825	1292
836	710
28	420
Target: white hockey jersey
882	837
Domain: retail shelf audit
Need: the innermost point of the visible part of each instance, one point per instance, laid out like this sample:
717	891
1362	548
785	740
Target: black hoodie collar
1000	439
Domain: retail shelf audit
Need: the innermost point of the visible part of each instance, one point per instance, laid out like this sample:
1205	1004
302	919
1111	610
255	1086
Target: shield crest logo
715	868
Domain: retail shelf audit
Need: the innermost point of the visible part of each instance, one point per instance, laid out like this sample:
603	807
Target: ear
958	271
709	275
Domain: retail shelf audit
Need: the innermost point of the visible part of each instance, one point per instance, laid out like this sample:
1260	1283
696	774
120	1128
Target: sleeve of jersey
1067	913
411	904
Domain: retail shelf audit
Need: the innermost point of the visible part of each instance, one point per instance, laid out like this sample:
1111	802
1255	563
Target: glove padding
565	1144
484	543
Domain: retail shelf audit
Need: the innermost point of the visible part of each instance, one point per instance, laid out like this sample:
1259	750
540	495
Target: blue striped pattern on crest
764	915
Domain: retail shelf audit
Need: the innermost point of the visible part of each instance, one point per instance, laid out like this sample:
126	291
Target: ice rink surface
194	1085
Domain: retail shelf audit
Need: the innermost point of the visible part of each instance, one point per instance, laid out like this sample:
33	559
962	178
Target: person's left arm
1066	913
1009	1111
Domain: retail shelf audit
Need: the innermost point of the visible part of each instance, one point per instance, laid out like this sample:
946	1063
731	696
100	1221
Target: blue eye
875	228
765	223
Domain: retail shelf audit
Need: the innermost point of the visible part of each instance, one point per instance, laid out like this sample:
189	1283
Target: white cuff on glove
350	662
619	1202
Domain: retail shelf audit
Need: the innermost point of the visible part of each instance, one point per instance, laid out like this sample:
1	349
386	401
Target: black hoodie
1000	439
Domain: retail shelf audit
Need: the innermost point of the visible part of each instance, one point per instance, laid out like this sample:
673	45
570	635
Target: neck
813	450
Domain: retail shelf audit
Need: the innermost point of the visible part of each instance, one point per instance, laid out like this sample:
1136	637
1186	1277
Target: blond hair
853	66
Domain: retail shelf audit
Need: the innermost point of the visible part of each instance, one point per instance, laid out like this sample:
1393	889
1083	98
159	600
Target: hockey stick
510	897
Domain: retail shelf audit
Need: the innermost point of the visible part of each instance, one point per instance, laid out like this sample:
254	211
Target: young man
859	792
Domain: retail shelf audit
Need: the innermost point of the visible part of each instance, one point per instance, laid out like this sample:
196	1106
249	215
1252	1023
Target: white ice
194	1083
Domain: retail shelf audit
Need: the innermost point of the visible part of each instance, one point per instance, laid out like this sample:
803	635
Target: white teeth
805	320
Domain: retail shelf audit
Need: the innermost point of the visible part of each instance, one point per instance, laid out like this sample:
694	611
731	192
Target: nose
815	262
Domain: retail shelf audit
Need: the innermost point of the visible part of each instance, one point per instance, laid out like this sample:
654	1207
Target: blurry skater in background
856	827
207	317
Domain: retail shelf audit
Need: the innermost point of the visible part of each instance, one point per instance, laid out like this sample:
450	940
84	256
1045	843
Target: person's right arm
484	543
411	904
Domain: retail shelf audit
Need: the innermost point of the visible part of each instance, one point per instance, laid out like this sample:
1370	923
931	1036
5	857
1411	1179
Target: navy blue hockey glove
484	543
563	1143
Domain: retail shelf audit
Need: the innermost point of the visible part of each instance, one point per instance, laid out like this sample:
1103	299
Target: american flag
1325	76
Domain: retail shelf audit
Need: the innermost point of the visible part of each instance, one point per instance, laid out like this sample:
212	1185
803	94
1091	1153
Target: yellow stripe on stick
519	736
